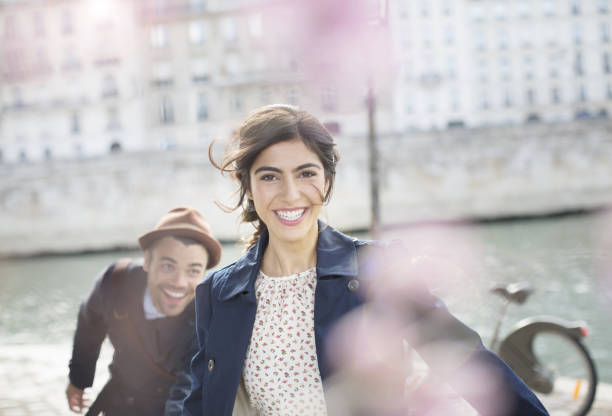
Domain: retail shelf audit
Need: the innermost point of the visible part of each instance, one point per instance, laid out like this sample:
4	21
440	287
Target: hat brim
212	246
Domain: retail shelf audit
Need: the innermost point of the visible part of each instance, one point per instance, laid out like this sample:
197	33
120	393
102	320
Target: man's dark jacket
149	354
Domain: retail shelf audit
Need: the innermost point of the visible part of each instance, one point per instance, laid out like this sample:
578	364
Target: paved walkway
33	380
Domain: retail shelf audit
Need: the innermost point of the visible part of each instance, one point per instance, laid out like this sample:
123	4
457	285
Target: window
548	7
504	68
575	6
577	34
408	103
480	40
328	99
202	107
451	66
42	61
507	99
197	5
67	22
447	8
500	10
484	101
259	61
197	32
449	35
233	64
17	98
609	91
531	96
604	30
236	102
425	8
483	71
292	95
427	38
477	12
229	30
502	35
200	70
523	9
555	95
432	102
578	67
526	36
607	65
162	74
113	119
529	67
550	33
454	100
109	87
582	93
603	6
70	59
159	36
166	111
75	123
264	95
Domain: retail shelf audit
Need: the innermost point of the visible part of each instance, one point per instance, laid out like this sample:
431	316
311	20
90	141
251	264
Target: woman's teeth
291	215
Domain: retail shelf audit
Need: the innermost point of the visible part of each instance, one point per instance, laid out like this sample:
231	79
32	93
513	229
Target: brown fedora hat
185	222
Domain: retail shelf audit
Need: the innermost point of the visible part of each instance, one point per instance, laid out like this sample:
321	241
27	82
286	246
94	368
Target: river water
561	256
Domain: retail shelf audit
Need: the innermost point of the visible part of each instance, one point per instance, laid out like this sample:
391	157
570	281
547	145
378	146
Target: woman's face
287	188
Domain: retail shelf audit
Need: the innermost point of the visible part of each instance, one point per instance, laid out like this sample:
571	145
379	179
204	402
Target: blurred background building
483	109
82	78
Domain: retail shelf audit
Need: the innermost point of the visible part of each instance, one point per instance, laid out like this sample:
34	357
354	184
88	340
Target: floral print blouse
281	373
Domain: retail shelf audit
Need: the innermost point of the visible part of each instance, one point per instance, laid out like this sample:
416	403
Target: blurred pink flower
333	42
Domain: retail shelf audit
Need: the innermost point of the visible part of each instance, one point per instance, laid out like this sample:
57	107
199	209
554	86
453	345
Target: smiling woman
287	184
263	322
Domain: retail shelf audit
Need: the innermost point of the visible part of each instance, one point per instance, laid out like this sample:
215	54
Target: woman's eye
308	174
268	177
194	272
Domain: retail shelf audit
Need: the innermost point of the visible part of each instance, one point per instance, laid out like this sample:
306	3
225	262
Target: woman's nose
290	190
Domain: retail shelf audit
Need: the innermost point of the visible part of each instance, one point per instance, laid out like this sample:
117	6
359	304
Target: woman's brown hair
264	127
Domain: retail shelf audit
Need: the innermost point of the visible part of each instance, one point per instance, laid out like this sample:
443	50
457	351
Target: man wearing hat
146	309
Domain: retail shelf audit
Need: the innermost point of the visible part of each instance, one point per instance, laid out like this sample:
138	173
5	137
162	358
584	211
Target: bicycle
548	354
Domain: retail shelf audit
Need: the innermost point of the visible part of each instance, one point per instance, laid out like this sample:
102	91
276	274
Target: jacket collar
336	256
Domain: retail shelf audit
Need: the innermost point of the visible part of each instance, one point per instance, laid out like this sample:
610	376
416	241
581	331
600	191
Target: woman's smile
291	216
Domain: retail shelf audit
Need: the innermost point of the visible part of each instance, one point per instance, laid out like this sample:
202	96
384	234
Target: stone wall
75	205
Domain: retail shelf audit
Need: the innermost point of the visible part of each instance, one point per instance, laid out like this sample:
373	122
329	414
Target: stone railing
94	204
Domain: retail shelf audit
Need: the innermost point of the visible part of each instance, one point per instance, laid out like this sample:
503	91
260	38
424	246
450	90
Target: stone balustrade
104	203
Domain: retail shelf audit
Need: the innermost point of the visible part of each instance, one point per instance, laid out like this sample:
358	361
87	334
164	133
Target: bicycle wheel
566	362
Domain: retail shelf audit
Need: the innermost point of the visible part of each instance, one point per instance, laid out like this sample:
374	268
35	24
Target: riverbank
35	378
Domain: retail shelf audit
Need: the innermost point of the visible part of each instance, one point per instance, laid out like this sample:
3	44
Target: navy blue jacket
225	313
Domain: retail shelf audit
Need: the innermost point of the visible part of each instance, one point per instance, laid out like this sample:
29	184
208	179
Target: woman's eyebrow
307	165
259	169
273	169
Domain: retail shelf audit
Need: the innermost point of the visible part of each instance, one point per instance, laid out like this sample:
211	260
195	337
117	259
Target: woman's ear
326	188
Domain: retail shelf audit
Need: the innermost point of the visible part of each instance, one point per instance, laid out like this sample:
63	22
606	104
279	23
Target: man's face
173	271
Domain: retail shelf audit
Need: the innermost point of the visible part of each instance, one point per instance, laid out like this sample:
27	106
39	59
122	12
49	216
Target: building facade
82	78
